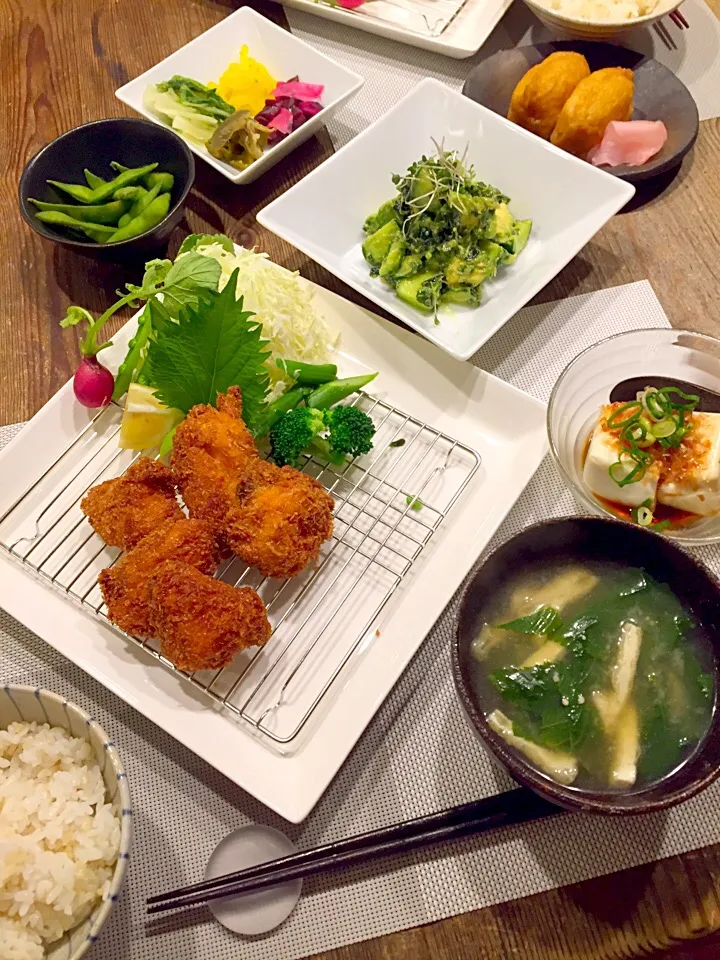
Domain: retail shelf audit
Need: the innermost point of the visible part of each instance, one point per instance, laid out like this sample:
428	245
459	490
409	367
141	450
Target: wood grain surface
60	61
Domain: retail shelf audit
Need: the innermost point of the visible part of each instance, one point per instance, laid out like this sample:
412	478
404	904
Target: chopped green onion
655	404
663	525
613	421
415	503
687	401
664	428
617	470
643	514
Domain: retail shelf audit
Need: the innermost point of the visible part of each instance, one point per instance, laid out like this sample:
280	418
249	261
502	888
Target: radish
93	383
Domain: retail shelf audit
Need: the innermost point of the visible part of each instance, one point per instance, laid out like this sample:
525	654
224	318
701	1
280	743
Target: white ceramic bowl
567	199
20	703
206	57
597	29
585	385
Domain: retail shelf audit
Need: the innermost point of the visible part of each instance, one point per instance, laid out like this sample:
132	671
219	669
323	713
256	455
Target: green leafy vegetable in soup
596	674
443	235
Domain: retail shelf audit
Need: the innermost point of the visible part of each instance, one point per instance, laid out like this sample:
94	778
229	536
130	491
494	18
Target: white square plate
567	199
505	426
206	57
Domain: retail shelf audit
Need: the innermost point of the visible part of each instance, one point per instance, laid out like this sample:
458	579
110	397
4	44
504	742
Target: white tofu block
693	472
604	450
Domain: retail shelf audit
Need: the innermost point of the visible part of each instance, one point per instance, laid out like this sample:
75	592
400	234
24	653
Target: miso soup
596	674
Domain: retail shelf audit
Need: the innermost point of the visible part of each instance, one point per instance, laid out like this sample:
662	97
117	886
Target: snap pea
100	194
109	213
166	180
333	392
310	374
92	180
95	231
149	218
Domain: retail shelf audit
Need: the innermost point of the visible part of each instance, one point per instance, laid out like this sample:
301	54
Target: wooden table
59	64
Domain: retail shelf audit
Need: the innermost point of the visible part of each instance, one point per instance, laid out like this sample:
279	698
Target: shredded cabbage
282	301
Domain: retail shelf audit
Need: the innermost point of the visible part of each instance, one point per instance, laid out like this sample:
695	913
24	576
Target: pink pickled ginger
631	142
282	121
298	90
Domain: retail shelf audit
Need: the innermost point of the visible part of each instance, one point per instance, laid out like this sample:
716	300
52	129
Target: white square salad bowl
567	199
206	57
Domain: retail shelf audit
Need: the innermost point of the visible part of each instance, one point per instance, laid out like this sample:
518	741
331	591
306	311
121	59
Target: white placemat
392	69
416	757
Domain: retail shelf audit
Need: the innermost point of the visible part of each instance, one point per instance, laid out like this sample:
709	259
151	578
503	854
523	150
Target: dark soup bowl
678	643
129	141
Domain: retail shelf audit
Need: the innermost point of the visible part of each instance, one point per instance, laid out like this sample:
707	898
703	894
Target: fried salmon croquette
125	586
124	510
279	520
211	449
604	96
201	622
542	92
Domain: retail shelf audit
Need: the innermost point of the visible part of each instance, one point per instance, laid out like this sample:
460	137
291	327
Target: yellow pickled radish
145	420
246	84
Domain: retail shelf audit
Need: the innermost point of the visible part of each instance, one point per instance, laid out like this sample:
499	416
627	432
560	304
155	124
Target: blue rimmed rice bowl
94	831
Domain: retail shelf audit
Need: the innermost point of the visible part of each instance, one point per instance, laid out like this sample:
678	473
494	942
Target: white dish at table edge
462	38
206	57
567	199
505	425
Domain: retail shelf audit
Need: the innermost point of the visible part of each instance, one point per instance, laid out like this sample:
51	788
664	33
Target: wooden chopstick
517	806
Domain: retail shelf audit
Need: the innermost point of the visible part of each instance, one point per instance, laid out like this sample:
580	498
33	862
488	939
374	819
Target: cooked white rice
59	838
606	10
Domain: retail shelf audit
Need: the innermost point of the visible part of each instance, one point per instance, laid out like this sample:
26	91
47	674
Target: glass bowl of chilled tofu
634	427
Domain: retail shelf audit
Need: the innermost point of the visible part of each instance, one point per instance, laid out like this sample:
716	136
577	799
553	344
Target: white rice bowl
60	835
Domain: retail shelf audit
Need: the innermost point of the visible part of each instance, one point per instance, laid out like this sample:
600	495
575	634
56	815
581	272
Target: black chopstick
517	806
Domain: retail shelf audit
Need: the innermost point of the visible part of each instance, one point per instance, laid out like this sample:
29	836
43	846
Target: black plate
659	95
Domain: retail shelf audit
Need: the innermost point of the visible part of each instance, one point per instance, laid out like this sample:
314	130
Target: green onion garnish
664	428
657	416
415	503
615	422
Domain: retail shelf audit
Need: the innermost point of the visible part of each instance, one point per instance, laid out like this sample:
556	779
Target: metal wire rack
429	18
388	505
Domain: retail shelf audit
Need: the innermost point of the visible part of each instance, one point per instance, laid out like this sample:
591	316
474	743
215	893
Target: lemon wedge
145	420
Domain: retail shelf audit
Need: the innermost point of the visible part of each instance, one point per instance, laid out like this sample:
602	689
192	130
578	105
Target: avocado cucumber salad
443	235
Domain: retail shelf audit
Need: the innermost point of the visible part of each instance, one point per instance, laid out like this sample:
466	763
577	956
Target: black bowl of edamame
111	189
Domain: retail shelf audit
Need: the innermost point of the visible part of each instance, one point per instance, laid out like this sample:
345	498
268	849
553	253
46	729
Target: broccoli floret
293	433
351	431
337	433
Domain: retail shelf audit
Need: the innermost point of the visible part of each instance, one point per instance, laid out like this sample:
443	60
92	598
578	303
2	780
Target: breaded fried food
125	586
201	622
280	519
124	510
542	92
211	449
604	96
